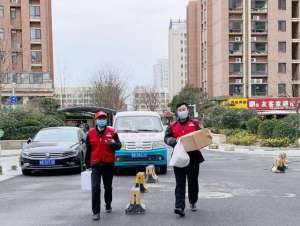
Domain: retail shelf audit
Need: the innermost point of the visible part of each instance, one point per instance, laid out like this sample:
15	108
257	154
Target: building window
259	69
259	89
235	5
2	56
259	26
1	34
235	90
282	68
258	5
36	57
36	34
235	68
36	78
281	89
1	11
282	4
281	25
282	47
14	58
235	47
13	13
259	47
236	26
35	11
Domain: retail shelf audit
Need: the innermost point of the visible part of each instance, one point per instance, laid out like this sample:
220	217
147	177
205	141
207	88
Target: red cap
100	114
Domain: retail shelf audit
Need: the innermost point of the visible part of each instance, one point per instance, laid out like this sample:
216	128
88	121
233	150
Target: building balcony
15	3
36	64
36	41
35	19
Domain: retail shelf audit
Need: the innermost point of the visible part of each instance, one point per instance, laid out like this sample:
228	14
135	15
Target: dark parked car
54	148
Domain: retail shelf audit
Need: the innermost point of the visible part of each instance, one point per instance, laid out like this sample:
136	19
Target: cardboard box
196	140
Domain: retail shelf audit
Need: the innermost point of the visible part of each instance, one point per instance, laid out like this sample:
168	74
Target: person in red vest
102	142
182	126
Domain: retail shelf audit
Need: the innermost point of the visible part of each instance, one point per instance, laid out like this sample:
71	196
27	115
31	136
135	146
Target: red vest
180	130
101	152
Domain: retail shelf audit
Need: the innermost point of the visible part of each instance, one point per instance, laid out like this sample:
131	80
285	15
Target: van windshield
135	124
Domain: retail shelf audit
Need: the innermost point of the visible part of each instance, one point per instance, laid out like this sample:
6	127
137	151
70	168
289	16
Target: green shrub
22	125
265	128
230	132
51	121
285	130
231	120
215	130
275	142
243	138
245	116
253	124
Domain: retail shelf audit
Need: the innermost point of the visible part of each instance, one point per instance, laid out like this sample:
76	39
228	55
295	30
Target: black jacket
195	156
115	145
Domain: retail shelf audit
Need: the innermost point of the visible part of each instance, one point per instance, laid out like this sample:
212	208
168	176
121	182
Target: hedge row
22	125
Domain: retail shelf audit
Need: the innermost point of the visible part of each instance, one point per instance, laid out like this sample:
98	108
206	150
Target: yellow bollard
135	206
151	176
140	182
280	164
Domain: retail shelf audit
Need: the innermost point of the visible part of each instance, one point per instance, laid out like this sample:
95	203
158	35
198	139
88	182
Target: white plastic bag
86	182
180	157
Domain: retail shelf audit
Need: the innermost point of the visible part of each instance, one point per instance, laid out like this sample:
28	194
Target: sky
127	35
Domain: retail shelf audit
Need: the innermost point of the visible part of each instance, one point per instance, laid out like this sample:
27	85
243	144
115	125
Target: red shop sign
263	104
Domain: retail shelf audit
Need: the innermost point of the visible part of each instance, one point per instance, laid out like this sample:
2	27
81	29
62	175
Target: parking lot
235	189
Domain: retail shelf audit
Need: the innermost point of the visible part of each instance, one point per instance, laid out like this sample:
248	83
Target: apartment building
26	50
248	48
161	74
177	56
74	96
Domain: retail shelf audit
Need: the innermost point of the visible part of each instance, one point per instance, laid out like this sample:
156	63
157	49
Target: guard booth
85	116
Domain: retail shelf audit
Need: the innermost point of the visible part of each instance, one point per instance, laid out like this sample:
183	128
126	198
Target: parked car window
56	135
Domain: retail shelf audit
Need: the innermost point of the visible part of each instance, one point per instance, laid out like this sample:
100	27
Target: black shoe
96	216
193	207
180	212
108	209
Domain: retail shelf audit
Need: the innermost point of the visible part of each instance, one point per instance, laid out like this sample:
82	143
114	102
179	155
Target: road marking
286	195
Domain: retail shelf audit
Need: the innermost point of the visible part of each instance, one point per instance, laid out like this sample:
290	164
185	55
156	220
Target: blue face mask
101	122
183	114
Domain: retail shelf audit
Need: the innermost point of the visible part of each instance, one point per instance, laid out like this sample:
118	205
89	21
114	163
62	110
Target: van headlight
158	144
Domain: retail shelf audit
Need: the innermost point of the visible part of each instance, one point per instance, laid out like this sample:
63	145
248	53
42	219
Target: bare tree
148	97
109	90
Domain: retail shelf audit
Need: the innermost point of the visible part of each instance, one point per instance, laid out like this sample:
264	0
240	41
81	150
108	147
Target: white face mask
183	114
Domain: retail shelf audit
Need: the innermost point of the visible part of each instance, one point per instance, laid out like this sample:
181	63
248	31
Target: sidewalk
228	148
10	153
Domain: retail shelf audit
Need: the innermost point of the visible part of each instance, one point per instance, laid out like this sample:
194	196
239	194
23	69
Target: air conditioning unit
238	81
238	60
253	39
253	60
256	17
237	39
257	81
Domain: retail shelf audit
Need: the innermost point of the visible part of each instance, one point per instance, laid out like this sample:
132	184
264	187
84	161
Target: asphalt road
235	190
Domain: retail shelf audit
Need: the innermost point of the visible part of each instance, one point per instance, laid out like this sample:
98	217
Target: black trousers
106	171
191	173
